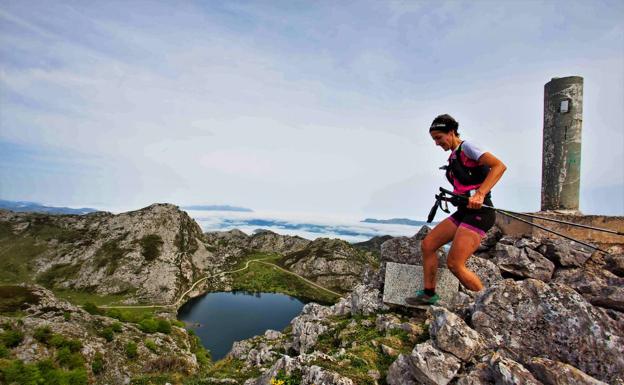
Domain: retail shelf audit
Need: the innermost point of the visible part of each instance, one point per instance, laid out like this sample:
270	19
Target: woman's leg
442	234
465	243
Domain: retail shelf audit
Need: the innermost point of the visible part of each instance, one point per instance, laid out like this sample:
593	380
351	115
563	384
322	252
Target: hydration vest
464	177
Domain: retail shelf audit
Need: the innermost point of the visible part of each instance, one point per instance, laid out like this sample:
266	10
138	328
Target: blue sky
318	107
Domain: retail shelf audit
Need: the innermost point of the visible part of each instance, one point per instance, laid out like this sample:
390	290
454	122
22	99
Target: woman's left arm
497	168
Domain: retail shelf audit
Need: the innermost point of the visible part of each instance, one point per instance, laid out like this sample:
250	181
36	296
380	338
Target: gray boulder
451	334
534	319
599	287
615	264
425	365
366	300
431	366
485	269
565	253
490	239
307	327
557	373
509	372
523	262
399	373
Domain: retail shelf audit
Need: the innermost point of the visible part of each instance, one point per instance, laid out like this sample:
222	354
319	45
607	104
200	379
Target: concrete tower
561	147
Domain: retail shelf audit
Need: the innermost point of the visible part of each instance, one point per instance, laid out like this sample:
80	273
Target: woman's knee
428	246
455	266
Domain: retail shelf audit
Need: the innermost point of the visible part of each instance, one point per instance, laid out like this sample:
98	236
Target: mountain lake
221	318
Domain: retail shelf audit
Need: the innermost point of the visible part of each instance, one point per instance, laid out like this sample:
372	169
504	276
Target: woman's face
443	139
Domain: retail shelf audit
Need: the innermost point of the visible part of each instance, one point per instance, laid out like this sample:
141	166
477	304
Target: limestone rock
557	373
268	241
565	253
479	375
399	373
615	264
307	327
318	375
599	287
451	334
331	263
509	372
272	334
485	269
366	300
533	318
490	239
523	262
406	250
240	349
431	366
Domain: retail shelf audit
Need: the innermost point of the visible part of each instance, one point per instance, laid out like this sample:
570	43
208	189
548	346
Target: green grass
363	348
82	297
260	277
16	254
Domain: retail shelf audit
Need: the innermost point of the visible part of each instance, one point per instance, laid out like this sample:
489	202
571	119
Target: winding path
179	300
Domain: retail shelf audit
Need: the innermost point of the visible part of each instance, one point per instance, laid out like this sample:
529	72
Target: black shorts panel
479	221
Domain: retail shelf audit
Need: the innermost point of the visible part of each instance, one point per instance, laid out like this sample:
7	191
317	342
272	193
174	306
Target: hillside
152	254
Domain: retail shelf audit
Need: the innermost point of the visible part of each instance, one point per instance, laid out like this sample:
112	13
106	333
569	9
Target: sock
430	292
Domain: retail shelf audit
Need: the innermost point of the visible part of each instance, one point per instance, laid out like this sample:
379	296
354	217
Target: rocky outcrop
49	325
552	372
565	253
523	262
599	287
268	241
154	253
331	263
532	318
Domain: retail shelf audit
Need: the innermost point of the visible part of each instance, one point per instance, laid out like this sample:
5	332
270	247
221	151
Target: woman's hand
476	201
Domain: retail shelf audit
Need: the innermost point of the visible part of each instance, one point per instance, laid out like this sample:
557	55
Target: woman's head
443	131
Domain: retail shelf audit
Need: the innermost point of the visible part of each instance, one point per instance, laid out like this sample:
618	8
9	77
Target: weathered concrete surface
403	281
561	151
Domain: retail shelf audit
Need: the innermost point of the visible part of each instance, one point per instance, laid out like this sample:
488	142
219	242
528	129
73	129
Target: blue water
219	319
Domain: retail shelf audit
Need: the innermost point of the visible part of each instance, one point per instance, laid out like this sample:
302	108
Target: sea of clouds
305	225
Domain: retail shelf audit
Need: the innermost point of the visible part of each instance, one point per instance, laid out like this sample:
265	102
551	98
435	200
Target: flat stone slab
403	281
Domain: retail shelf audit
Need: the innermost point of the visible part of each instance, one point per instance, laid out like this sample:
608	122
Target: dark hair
444	123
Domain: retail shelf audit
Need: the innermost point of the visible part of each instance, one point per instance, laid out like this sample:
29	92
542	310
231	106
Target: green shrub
91	308
11	338
19	373
178	323
70	360
107	333
116	326
150	246
151	345
131	350
56	340
294	378
201	353
67	315
73	345
43	334
114	313
164	326
4	351
77	377
148	325
97	366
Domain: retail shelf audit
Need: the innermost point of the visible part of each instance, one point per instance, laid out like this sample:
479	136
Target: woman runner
473	173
